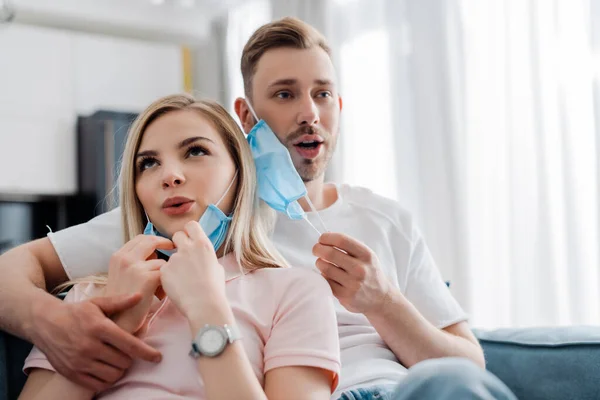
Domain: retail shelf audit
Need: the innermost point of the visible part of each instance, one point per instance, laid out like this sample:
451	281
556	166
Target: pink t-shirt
286	317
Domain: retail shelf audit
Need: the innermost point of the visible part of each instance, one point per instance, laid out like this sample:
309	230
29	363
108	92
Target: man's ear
340	102
243	113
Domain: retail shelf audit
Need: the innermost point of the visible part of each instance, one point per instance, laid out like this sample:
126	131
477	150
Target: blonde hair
286	32
248	234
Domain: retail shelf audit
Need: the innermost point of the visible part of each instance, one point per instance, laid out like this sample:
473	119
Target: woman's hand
136	269
193	278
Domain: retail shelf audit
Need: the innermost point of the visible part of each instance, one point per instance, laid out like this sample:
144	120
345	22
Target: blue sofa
537	364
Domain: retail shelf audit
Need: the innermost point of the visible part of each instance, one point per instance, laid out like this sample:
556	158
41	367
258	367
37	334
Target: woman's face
182	166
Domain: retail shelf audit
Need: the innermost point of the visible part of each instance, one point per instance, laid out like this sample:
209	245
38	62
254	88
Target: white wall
48	77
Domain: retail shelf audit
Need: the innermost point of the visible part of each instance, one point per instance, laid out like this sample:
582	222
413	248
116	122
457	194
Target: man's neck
320	195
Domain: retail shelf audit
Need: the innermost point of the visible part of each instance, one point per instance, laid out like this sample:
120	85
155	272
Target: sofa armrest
545	363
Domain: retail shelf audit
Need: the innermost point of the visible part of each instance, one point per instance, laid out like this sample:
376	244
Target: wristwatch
212	340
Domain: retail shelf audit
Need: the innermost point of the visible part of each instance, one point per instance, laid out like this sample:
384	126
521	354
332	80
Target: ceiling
178	21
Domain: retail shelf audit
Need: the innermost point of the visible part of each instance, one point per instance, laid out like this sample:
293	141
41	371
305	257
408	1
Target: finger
331	272
181	239
336	288
104	372
344	242
115	304
153	264
194	231
337	257
128	344
147	245
113	357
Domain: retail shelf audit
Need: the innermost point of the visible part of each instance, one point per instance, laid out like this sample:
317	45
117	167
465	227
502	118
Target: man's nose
309	113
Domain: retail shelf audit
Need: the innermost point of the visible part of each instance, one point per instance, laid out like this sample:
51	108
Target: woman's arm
218	373
298	383
48	385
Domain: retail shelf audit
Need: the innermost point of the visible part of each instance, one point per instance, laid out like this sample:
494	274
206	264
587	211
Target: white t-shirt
378	222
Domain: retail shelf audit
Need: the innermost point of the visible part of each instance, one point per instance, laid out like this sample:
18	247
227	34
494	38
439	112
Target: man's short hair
286	32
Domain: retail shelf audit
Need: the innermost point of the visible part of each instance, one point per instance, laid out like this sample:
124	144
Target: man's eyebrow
323	82
284	81
292	81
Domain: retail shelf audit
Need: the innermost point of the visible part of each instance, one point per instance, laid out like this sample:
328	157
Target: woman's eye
196	151
146	163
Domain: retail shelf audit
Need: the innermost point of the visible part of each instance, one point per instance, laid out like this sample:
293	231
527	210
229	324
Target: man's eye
284	95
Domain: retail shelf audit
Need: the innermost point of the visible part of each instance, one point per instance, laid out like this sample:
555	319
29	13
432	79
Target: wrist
126	322
214	310
386	306
40	307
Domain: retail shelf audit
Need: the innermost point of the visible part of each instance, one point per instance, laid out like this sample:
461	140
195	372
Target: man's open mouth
309	144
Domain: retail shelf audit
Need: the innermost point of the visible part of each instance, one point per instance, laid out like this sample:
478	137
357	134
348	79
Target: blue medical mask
214	223
279	184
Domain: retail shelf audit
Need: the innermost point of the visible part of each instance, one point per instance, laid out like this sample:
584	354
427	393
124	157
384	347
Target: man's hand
353	272
83	344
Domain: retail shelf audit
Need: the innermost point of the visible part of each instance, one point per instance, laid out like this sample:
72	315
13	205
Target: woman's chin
175	226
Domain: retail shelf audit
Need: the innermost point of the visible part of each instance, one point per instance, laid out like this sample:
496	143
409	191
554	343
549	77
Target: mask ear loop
252	111
227	190
313	209
148	221
305	217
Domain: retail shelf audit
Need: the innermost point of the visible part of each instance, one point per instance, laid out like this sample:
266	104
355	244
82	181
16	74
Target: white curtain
482	118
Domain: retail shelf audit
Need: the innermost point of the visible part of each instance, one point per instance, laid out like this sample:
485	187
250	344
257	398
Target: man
394	310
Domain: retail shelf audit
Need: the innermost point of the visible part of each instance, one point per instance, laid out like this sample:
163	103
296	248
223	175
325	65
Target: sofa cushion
545	363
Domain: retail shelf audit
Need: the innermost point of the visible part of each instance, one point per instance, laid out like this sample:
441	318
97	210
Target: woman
187	161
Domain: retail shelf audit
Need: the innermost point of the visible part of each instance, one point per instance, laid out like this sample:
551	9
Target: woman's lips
178	209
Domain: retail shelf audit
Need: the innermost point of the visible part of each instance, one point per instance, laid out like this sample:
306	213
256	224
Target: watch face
212	341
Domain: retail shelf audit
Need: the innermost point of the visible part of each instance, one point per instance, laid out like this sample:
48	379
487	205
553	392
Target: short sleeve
426	289
86	249
304	331
36	358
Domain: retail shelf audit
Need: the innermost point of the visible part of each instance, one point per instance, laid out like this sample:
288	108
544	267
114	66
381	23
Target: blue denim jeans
384	392
439	379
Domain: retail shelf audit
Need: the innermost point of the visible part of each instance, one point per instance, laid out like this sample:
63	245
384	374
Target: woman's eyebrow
191	140
183	143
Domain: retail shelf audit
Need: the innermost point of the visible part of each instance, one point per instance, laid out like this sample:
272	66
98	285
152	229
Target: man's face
295	92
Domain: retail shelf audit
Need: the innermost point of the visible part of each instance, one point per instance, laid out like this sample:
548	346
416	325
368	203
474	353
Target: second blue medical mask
213	221
279	184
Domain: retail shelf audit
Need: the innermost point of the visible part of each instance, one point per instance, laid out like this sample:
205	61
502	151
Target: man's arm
353	272
73	336
27	271
414	339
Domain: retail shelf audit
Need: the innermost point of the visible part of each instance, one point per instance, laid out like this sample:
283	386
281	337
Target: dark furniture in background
100	142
